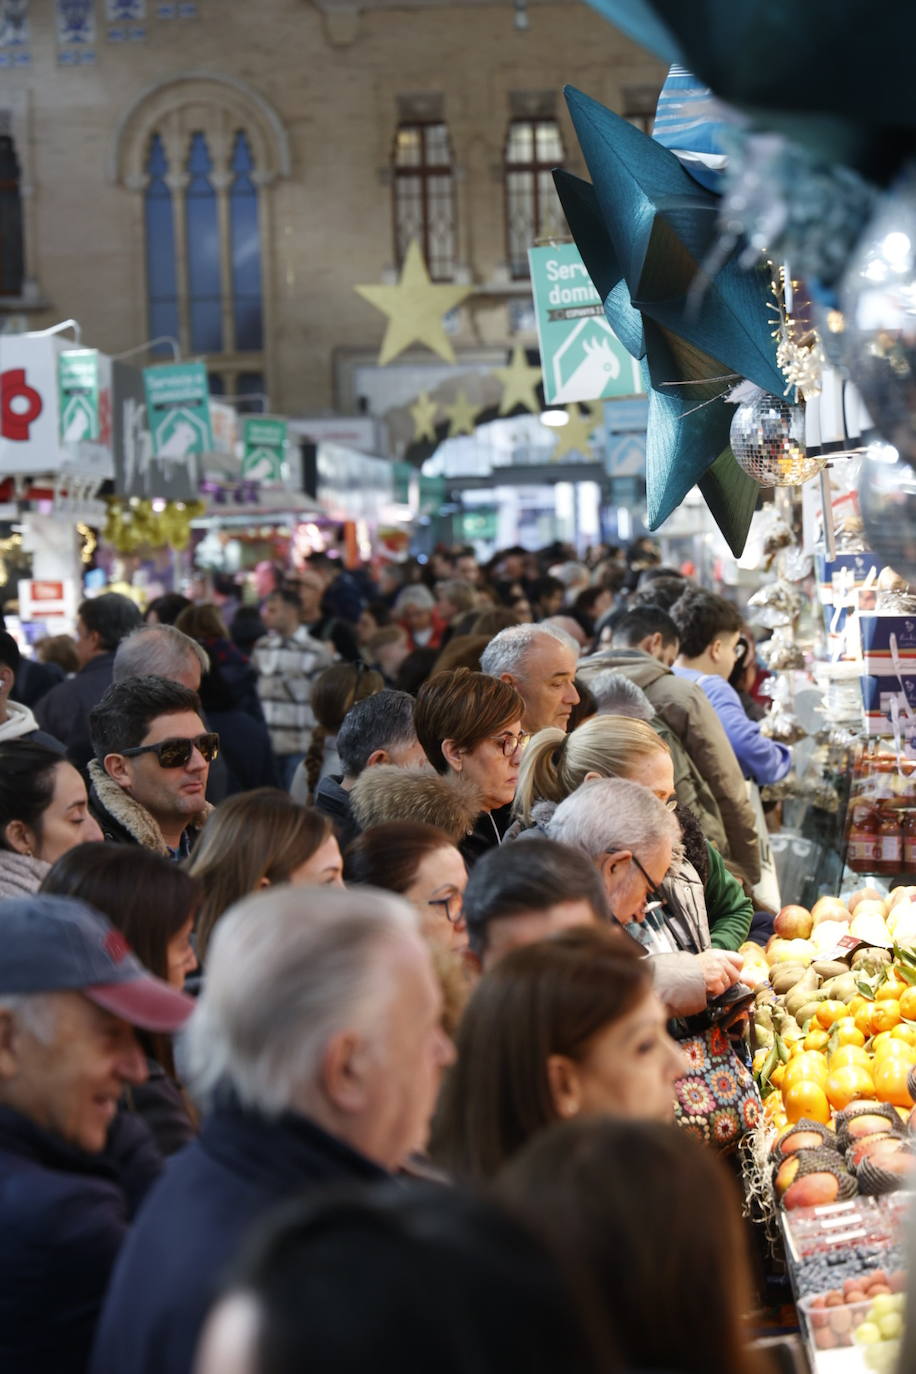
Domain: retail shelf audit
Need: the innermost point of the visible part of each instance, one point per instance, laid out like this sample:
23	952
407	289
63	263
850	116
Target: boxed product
841	577
888	644
878	697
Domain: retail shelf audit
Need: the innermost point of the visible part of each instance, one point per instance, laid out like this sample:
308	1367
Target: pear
802	991
784	977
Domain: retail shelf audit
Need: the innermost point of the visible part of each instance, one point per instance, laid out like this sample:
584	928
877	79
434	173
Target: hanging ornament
415	307
768	441
878	300
519	382
423	414
460	415
887	500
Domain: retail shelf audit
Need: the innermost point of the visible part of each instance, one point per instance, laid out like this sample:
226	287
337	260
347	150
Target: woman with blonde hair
255	840
556	764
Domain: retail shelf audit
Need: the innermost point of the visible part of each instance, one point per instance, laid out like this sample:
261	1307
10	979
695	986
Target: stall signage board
264	438
78	394
43	600
581	357
29	424
138	470
178	409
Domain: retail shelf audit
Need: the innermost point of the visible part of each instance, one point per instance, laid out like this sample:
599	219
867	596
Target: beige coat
686	710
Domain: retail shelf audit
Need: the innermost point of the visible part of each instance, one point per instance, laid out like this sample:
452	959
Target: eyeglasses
176	753
669	801
652	891
445	903
509	743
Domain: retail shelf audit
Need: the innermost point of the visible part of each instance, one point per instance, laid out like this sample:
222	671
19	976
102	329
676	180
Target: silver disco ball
878	300
887	500
768	441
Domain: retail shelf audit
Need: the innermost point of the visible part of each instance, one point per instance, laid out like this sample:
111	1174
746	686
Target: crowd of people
353	946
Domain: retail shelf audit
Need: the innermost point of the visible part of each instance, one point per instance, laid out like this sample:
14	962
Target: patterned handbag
717	1099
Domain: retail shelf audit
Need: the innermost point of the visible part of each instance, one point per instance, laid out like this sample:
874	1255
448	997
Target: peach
829	909
814	1190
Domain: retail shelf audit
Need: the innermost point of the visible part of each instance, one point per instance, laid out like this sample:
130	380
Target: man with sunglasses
152	759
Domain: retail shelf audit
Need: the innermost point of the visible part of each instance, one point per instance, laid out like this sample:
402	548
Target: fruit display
866	1310
835	1029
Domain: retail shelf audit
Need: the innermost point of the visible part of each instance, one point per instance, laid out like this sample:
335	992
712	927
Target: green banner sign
178	409
79	387
264	439
581	357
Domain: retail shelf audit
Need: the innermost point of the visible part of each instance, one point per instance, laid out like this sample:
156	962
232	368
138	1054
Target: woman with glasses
710	900
470	724
420	863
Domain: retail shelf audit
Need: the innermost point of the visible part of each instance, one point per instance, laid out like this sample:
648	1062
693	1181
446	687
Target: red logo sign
20	405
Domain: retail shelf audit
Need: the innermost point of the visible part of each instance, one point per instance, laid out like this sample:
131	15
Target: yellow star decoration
461	416
575	437
424	416
414	307
519	383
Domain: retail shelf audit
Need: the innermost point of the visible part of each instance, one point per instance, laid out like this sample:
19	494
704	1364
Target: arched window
424	197
11	247
204	152
203	248
533	148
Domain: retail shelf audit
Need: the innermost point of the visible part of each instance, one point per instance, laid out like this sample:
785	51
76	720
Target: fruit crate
846	1263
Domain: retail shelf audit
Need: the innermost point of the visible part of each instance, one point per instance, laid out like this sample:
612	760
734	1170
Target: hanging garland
135	525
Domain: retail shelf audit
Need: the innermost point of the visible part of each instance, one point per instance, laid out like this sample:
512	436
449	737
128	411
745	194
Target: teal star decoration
644	229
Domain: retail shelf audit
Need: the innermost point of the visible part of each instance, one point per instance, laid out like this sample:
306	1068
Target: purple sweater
760	758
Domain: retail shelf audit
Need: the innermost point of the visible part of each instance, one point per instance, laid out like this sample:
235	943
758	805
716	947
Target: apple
868	1334
793	923
829	909
901	894
864	894
870	907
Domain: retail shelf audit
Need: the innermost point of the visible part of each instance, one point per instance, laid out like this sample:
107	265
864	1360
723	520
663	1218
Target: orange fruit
806	1099
863	1019
890	1081
817	1039
855	1004
809	1066
848	1054
895	1049
846	1084
778	1075
885	1016
846	1032
908	1004
891	991
905	1033
830	1011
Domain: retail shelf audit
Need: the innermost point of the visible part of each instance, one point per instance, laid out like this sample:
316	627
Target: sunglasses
176	753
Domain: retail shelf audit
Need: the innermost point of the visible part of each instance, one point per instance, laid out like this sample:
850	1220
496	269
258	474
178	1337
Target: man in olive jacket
644	646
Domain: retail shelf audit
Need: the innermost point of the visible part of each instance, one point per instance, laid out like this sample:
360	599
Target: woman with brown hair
653	1218
335	691
153	903
255	840
420	863
471	724
564	1027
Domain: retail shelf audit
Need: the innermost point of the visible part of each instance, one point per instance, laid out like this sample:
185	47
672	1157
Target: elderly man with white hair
539	661
161	651
635	841
317	1050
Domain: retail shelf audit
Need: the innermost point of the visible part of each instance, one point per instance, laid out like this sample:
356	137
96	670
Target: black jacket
334	802
196	1219
64	711
63	1217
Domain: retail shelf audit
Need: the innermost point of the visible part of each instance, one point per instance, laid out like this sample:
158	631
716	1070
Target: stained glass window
424	197
533	148
205	307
